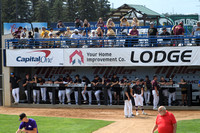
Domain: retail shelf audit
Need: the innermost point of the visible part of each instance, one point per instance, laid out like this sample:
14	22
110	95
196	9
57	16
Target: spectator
61	27
30	36
110	23
100	23
135	22
23	36
36	36
165	121
134	36
99	32
44	34
68	33
78	23
152	34
196	33
147	89
86	24
124	23
94	36
172	92
183	92
51	31
110	32
16	35
50	43
74	36
165	33
179	32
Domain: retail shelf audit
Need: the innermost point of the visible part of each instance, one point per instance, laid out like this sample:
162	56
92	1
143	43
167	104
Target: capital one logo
73	59
36	58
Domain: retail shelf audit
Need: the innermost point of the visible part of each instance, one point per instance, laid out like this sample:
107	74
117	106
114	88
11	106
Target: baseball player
43	91
87	89
68	90
147	88
172	92
49	90
26	81
116	88
61	90
137	92
107	83
124	82
127	103
96	83
155	92
14	87
164	93
76	81
27	125
36	90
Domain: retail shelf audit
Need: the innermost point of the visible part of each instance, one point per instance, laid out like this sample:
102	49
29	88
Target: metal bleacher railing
120	40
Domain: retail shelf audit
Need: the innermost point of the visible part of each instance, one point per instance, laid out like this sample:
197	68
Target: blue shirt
28	125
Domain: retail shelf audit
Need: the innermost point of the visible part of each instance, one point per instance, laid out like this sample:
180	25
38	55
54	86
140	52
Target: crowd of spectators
107	31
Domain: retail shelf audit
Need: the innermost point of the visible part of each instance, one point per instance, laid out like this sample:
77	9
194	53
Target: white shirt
196	30
75	36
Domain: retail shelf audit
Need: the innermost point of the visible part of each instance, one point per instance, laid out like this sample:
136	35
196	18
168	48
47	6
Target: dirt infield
139	124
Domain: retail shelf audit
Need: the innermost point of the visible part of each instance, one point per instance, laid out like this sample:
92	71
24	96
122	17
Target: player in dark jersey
26	81
137	92
127	102
76	81
61	92
172	92
14	87
68	81
155	92
147	89
97	83
49	90
87	89
116	87
107	83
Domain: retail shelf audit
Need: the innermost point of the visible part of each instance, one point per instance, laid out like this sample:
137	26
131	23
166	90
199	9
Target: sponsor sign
41	57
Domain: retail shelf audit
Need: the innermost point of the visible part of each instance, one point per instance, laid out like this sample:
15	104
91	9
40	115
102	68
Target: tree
22	10
71	10
103	8
42	11
57	11
8	11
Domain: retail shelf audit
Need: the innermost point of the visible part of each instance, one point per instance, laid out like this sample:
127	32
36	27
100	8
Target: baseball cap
21	116
12	73
136	79
76	30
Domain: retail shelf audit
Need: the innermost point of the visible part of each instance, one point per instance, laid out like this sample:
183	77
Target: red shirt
165	122
134	32
179	30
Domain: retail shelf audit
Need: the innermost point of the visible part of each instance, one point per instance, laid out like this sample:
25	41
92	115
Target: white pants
97	95
165	92
51	97
36	93
76	96
43	94
110	95
138	100
172	96
89	94
61	96
26	92
68	93
15	94
155	99
128	108
147	96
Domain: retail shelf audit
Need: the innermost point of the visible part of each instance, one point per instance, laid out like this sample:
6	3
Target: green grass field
10	123
188	126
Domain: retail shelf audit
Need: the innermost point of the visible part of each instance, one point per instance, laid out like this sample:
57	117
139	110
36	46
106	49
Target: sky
164	6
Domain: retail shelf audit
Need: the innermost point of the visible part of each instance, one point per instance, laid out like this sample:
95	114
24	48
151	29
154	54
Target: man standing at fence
152	34
165	121
196	33
14	87
155	92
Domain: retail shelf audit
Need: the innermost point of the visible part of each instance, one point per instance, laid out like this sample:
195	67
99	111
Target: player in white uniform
137	92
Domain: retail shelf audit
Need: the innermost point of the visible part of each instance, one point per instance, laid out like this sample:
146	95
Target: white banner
34	57
156	56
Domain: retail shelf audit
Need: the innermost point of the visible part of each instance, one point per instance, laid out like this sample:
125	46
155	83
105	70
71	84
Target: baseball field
93	120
